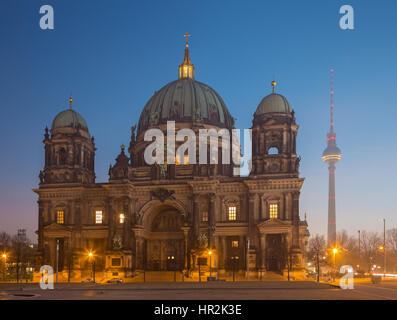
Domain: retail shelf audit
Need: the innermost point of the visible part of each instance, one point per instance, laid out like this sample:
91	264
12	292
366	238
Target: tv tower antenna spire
331	156
332	100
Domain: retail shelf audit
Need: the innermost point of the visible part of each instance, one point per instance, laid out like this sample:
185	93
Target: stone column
242	213
110	218
127	223
217	252
288	240
186	244
41	225
211	219
51	214
77	213
285	141
196	217
139	258
295	220
223	261
251	213
282	207
261	208
222	213
261	143
243	248
263	250
288	206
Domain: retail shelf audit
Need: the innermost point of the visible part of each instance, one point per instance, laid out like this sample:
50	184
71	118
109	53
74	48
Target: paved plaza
274	290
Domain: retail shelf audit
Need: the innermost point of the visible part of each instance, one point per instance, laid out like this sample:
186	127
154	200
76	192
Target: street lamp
92	258
171	260
335	251
234	263
4	256
210	254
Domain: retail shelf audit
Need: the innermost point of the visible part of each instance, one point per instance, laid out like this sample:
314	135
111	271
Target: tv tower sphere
332	153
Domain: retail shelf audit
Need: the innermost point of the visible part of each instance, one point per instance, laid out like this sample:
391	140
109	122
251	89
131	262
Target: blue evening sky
113	55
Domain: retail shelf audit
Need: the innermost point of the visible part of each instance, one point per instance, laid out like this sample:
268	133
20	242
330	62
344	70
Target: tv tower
331	156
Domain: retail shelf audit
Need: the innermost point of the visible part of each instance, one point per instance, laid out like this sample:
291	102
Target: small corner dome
69	119
273	103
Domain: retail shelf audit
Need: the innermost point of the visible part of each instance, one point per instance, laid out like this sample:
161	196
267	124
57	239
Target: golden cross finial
186	35
70	101
274	85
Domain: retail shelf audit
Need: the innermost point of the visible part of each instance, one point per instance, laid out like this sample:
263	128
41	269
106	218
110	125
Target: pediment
273	222
56	227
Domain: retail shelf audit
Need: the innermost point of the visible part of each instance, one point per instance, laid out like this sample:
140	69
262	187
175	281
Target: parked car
115	280
88	281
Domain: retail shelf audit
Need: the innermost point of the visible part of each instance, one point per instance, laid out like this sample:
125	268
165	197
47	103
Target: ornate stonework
167	218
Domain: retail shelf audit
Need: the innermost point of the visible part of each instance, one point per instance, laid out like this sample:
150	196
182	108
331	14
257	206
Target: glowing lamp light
335	250
209	252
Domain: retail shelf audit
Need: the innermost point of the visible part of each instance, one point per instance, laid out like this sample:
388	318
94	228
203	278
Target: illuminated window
273	210
204	217
98	217
232	213
116	262
235	244
122	217
60	217
186	159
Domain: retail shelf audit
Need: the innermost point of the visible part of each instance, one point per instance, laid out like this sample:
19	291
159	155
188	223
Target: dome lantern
186	68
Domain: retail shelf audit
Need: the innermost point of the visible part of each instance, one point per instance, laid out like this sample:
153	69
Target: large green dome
69	118
185	100
273	103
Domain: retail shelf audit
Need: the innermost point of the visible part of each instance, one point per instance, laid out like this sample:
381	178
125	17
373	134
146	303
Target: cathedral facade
173	216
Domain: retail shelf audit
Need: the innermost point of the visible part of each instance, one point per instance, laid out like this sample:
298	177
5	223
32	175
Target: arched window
272	150
60	216
62	156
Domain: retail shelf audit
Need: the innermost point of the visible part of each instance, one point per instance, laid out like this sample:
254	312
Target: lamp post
4	256
234	264
171	260
210	254
384	247
359	247
57	259
92	258
335	251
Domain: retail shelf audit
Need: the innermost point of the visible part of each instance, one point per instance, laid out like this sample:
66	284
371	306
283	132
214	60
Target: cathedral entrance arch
274	252
165	238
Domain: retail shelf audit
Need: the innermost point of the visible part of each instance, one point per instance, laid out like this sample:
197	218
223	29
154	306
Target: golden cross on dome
70	101
187	35
274	83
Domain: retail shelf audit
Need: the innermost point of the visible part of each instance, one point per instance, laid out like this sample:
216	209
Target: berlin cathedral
181	216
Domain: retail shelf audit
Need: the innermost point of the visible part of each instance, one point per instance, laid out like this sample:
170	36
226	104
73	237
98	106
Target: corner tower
69	150
274	132
331	156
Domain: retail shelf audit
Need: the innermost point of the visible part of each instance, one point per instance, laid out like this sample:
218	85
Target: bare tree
346	242
317	249
392	241
5	241
370	242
